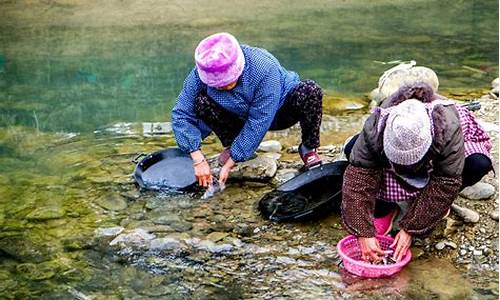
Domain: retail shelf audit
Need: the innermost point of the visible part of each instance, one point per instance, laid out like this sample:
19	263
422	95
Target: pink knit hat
407	133
219	60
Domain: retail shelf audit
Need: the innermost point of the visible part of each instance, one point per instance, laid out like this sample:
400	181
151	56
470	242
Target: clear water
74	66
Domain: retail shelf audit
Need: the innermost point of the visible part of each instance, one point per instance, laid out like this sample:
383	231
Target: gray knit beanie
407	133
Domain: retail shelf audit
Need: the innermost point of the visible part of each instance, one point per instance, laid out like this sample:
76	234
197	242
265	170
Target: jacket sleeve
359	190
260	117
188	129
435	200
362	181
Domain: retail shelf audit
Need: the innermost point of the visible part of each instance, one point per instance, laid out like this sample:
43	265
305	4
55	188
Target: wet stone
216	236
39	271
468	215
440	246
46	213
260	169
494	215
165	219
109	231
284	175
478	191
113	202
166	243
136	237
243	229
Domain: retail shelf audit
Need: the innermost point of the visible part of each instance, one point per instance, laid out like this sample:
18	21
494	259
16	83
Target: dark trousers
475	166
303	104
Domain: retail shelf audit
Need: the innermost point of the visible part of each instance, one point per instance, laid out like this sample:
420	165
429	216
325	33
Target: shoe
311	159
224	156
383	225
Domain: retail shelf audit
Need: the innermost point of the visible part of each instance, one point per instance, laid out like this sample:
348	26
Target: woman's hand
224	171
370	249
201	169
402	242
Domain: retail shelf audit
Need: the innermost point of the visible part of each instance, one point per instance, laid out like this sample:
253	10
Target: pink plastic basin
349	251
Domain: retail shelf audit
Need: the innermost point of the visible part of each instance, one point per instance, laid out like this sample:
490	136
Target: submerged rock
478	191
494	215
136	237
468	215
270	146
112	201
284	175
41	271
46	213
260	169
166	243
109	231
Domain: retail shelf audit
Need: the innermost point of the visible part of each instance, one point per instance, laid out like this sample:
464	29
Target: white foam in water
174	173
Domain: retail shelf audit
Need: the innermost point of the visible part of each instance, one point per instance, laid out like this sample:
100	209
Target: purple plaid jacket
476	140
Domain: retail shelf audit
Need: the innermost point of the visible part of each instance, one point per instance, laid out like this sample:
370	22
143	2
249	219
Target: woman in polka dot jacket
240	92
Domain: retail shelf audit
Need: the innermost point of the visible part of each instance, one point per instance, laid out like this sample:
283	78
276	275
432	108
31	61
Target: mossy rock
335	105
112	201
36	272
46	213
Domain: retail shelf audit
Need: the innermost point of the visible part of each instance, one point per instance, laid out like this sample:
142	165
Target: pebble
468	215
478	191
494	215
450	244
216	236
477	252
270	146
463	252
494	85
440	245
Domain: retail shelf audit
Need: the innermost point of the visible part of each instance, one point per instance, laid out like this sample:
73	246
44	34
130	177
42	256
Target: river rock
272	155
165	219
216	236
284	175
37	272
136	237
468	215
270	146
494	85
166	243
440	246
494	215
112	201
109	231
405	74
260	169
46	213
478	191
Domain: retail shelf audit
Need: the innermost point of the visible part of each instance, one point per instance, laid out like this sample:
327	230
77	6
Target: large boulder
400	75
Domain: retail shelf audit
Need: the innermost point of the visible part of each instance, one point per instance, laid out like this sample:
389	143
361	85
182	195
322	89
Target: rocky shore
224	240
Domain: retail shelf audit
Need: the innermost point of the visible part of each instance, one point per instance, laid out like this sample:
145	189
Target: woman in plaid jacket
417	150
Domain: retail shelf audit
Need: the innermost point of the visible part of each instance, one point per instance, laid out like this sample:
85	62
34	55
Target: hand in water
201	169
370	249
225	170
401	244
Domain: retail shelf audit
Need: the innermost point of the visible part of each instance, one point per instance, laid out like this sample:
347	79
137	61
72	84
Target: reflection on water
74	66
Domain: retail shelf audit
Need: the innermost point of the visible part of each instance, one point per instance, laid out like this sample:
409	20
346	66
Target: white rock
270	146
495	85
494	215
109	231
285	260
440	246
478	191
468	215
477	252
